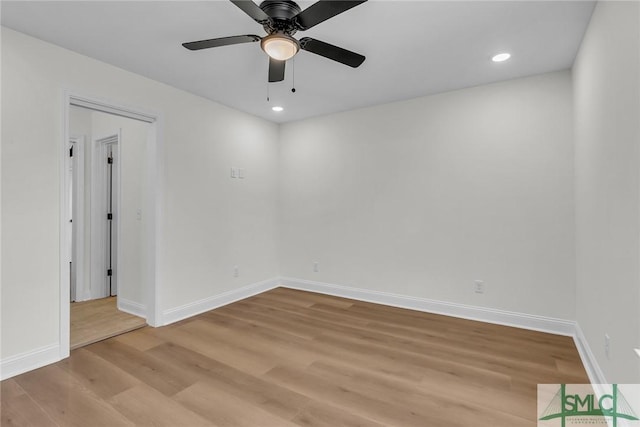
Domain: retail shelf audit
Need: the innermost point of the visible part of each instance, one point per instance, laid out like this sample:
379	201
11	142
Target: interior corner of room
514	202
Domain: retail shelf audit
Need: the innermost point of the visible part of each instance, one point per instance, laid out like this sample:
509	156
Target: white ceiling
413	48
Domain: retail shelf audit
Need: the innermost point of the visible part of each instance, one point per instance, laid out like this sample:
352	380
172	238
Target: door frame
153	189
77	213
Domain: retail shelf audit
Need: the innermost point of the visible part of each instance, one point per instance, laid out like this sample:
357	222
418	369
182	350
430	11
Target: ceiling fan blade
252	9
276	70
330	51
323	10
221	41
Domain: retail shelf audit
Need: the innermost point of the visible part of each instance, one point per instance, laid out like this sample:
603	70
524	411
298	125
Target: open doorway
108	193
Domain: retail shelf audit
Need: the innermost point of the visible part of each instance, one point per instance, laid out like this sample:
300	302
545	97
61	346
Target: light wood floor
292	358
95	320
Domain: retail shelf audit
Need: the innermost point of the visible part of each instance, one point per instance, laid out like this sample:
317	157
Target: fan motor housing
281	13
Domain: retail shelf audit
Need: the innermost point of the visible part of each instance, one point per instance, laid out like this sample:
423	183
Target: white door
105	203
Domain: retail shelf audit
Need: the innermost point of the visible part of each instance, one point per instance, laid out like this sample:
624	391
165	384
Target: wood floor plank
145	406
287	296
418	363
375	409
10	389
286	307
570	367
159	375
297	296
319	414
270	397
271	319
97	374
305	320
326	350
67	401
96	320
487	401
198	338
295	358
260	339
487	408
140	339
227	410
23	411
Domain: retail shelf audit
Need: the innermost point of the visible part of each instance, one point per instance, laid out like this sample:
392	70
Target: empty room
320	213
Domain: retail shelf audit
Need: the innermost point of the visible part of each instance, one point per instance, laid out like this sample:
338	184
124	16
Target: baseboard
489	315
596	376
28	361
132	307
197	307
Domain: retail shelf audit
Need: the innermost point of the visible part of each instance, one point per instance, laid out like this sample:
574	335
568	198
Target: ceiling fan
281	19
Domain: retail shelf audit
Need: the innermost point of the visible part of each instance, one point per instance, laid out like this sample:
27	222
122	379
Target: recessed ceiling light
277	108
501	57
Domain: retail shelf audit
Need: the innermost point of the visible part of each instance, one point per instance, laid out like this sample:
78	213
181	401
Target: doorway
109	221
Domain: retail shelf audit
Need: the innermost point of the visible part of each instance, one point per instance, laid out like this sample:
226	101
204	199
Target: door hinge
109	272
109	160
109	216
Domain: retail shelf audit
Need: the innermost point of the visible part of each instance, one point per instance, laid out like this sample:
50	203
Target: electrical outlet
478	287
236	271
316	266
607	346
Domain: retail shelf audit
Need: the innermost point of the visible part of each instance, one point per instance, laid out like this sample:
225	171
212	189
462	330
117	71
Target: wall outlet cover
478	287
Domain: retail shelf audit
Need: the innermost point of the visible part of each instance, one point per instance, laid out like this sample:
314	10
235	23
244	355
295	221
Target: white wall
423	197
209	222
607	115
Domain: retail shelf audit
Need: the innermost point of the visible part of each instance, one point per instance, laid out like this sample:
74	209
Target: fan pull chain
293	72
267	92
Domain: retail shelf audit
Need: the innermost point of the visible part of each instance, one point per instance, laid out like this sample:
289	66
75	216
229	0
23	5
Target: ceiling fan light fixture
280	46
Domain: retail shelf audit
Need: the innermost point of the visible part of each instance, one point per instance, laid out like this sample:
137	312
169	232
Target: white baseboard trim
197	307
132	307
28	361
489	315
596	376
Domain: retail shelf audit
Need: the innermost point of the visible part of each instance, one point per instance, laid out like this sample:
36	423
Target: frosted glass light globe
280	46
